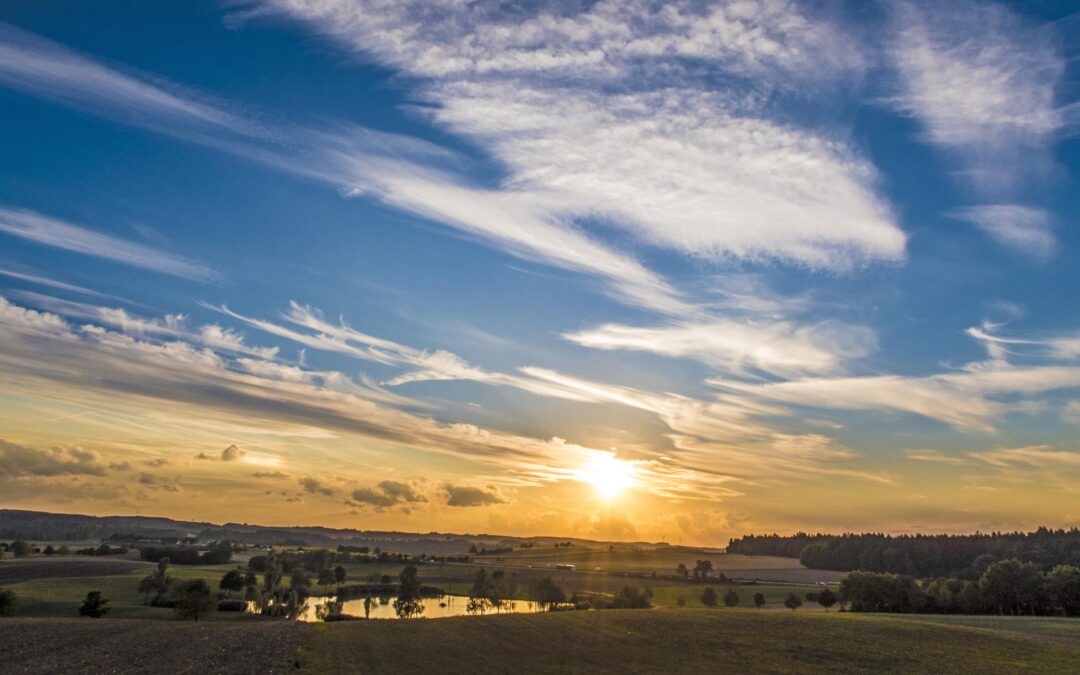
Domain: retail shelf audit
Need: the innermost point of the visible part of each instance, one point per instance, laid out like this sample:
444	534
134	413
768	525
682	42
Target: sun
609	476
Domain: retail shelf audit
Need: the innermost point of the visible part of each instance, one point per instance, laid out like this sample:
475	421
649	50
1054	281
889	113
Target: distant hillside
39	525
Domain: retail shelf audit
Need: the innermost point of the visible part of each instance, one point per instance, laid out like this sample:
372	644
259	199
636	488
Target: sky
622	270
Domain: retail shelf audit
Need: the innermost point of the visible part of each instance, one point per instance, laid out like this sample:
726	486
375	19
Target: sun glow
610	477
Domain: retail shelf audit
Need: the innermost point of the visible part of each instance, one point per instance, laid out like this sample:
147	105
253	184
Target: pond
434	608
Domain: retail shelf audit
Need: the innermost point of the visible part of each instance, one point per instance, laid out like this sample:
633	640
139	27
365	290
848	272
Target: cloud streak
564	100
47	231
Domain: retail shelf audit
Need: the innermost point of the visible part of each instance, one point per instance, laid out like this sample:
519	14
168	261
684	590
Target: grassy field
52	596
1059	630
55	587
674	641
123	646
663	561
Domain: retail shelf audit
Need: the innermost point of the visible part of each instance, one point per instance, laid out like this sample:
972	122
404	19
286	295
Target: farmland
674	641
129	646
677	635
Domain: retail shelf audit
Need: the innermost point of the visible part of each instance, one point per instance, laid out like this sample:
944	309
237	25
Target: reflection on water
383	608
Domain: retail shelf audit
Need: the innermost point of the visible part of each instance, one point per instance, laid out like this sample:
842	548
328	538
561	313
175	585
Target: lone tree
156	582
731	598
193	598
709	597
682	571
7	602
94	605
232	581
826	598
792	602
20	548
326	578
759	600
408	603
702	569
339	576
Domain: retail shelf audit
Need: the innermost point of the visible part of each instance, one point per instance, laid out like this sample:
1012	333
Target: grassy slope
673	641
120	646
1056	629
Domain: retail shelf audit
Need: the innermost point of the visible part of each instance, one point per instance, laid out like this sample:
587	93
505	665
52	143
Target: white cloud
984	82
776	347
571	104
48	231
1024	228
33	64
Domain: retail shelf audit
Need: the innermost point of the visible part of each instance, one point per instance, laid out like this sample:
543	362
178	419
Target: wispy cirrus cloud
396	170
774	347
970	398
34	64
48	231
985	84
569	101
1024	228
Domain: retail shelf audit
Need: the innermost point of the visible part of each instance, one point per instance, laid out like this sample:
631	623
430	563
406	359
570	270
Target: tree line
921	555
1007	587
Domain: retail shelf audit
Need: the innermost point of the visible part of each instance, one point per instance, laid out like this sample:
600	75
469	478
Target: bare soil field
14	571
132	646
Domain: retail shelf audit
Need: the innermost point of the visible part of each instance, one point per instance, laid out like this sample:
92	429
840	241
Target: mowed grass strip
126	646
13	571
683	641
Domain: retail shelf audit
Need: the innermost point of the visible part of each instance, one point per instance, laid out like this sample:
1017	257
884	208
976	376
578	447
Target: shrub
8	600
94	605
709	597
193	598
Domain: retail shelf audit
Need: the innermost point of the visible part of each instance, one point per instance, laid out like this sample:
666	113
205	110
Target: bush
8	600
94	605
709	597
193	598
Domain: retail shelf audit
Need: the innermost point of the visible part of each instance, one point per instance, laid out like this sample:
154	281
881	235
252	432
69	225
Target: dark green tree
731	598
232	581
759	600
7	602
339	576
1011	586
702	569
408	603
193	598
20	548
792	601
326	578
1063	589
709	597
547	593
826	598
94	605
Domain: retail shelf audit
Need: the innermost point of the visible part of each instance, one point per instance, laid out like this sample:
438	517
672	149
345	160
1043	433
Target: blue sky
784	265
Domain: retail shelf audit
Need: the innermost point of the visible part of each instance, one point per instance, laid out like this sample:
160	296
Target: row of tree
219	553
962	556
1006	587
